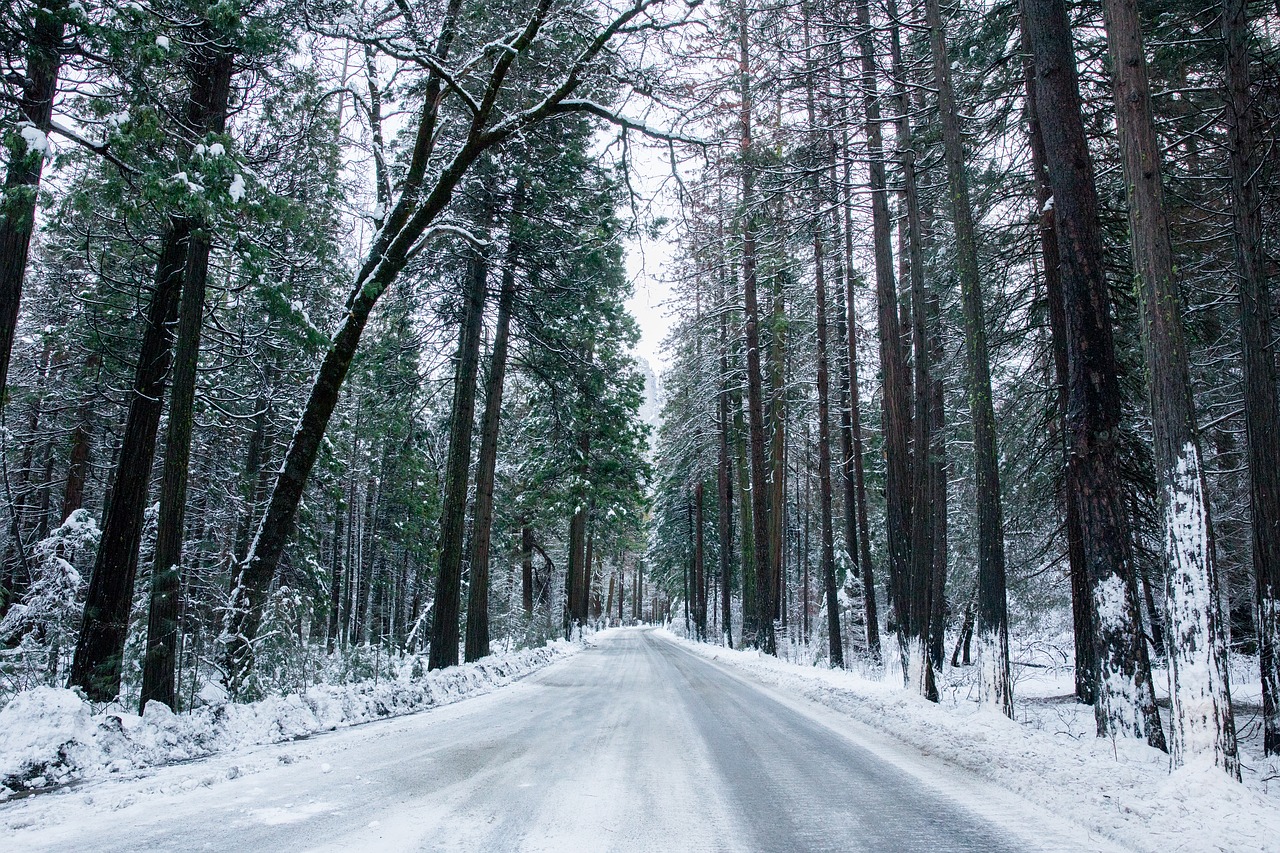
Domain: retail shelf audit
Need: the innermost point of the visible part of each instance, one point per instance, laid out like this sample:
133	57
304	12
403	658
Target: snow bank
1120	789
50	736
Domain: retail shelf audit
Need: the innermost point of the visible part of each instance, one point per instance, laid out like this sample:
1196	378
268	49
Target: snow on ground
50	736
1120	789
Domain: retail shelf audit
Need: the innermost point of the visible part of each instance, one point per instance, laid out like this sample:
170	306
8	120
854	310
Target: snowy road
634	744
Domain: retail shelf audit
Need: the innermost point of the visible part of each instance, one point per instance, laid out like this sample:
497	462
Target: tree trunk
1125	704
1262	415
103	631
1199	689
78	463
159	665
526	569
26	161
763	637
699	574
896	411
453	517
477	640
724	481
1083	622
335	581
923	602
870	610
992	617
835	646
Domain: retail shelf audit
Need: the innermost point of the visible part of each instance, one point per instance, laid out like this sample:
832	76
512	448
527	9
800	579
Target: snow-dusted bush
50	736
39	632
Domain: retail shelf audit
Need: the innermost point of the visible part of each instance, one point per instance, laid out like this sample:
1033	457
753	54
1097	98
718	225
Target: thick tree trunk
104	629
44	50
1199	688
477	639
159	666
762	637
1083	621
1125	700
453	516
993	621
1262	415
896	410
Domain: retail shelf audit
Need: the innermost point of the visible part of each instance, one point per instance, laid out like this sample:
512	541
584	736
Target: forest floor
1120	790
642	742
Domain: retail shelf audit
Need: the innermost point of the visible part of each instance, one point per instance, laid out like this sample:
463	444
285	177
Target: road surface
635	744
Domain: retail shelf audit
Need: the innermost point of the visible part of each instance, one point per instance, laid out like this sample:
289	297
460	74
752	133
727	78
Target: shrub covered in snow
50	736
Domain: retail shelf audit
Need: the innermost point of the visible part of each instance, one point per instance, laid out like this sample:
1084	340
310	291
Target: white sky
648	260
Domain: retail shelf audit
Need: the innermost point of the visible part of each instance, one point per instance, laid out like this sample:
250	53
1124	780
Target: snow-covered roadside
50	736
1121	790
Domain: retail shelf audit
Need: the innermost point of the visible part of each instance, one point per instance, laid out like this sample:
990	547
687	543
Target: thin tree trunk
78	463
526	568
1199	688
835	646
923	437
724	481
993	620
699	580
870	610
1262	415
335	581
1125	704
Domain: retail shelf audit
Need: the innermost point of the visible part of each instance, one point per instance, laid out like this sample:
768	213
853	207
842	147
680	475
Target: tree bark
992	617
896	410
1082	617
453	516
699	573
835	645
1125	704
44	51
1199	688
724	480
1262	414
526	569
159	667
477	639
763	636
104	628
